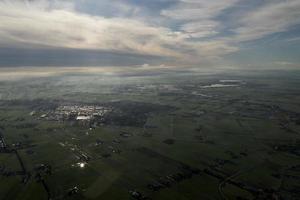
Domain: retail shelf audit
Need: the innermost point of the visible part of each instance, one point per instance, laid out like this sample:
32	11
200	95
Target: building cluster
78	153
77	112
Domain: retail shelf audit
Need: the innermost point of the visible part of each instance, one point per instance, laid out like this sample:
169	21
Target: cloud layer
185	31
41	25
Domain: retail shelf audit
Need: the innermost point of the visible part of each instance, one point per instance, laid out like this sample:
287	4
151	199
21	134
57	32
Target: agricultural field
160	137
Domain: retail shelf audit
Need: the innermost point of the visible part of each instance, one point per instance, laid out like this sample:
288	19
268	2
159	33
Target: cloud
198	9
35	25
184	32
57	25
107	8
294	39
284	63
199	16
7	74
200	29
273	17
200	19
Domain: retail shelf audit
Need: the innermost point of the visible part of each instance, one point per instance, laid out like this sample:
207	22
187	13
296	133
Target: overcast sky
182	33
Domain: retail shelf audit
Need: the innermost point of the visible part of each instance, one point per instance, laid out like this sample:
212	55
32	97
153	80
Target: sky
144	33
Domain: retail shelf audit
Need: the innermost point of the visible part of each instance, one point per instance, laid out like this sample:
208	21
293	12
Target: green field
187	138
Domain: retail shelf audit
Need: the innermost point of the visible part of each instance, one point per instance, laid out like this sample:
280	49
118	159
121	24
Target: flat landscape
161	137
